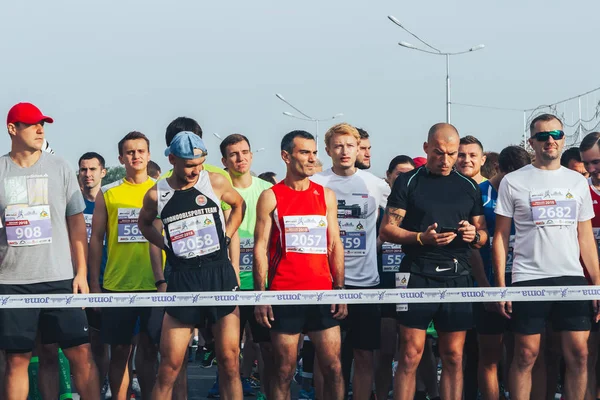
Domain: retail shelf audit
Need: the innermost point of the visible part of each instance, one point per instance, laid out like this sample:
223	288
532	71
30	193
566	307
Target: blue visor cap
183	146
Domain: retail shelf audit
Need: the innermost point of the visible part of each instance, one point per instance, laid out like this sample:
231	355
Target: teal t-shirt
246	229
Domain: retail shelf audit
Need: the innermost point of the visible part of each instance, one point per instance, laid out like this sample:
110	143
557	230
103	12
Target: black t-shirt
429	199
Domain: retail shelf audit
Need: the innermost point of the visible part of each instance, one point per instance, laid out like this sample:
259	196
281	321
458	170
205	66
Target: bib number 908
28	232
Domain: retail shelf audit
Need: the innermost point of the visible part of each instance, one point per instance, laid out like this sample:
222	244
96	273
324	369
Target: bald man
436	214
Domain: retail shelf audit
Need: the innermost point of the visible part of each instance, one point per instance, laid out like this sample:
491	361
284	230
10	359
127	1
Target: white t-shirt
359	197
546	206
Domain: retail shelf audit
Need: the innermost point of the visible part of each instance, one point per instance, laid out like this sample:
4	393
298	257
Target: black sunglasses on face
544	136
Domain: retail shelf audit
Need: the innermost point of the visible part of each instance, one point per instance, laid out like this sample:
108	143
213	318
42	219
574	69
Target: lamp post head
478	47
289	114
217	136
280	97
407	45
338	115
395	20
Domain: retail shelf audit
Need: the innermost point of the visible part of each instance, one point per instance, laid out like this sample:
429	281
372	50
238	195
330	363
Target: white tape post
402	296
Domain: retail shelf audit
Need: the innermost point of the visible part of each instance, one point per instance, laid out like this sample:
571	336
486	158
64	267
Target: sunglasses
544	136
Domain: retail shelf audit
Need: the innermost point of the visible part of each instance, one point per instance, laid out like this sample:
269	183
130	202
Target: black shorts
260	334
489	322
302	318
363	324
448	317
94	318
119	323
210	277
19	326
529	317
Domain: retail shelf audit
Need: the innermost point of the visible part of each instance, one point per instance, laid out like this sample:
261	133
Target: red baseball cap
26	113
419	161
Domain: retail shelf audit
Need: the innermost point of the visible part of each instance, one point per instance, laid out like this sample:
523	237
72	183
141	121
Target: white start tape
194	299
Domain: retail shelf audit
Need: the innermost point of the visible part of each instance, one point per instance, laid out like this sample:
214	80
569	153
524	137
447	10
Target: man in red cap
42	251
419	161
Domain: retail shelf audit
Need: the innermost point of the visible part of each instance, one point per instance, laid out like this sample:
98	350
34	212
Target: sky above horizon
102	69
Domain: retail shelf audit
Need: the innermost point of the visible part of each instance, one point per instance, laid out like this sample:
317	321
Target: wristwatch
227	240
476	239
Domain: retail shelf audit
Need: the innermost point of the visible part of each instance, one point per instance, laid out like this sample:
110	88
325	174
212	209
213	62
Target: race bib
305	234
510	255
194	236
554	207
88	225
28	226
128	231
402	279
352	217
391	257
246	256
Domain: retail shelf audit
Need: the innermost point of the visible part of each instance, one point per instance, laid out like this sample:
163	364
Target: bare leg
227	349
285	350
427	370
100	353
383	375
328	346
411	344
174	340
84	371
575	353
490	353
591	365
16	378
451	352
119	371
48	376
526	352
362	381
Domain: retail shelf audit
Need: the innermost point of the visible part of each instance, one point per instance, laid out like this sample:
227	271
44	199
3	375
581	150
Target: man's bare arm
99	221
147	218
390	230
500	248
589	250
335	249
262	233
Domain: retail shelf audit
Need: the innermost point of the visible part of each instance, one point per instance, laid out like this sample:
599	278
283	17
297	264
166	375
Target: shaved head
443	132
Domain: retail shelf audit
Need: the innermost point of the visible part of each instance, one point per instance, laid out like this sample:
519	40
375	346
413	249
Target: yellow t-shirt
209	168
128	266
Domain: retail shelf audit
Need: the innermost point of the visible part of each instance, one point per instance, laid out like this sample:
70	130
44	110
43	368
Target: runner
153	170
549	204
91	172
389	259
490	325
360	194
189	199
571	159
471	158
490	166
128	267
312	259
42	251
434	198
363	159
590	156
237	158
268	176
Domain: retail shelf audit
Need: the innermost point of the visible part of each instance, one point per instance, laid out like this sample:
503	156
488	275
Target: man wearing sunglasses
552	211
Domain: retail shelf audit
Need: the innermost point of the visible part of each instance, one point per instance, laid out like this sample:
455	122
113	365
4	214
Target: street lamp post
307	117
435	52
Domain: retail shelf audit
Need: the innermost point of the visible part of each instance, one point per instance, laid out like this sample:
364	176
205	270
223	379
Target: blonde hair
341	129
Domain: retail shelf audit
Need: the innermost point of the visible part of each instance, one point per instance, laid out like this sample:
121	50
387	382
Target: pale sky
102	69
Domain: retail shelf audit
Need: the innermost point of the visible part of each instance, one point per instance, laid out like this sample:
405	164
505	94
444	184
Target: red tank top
298	245
595	220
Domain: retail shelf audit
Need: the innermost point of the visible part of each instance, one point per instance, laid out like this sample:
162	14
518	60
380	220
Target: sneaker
209	359
247	388
135	387
307	394
106	390
213	392
254	382
260	396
